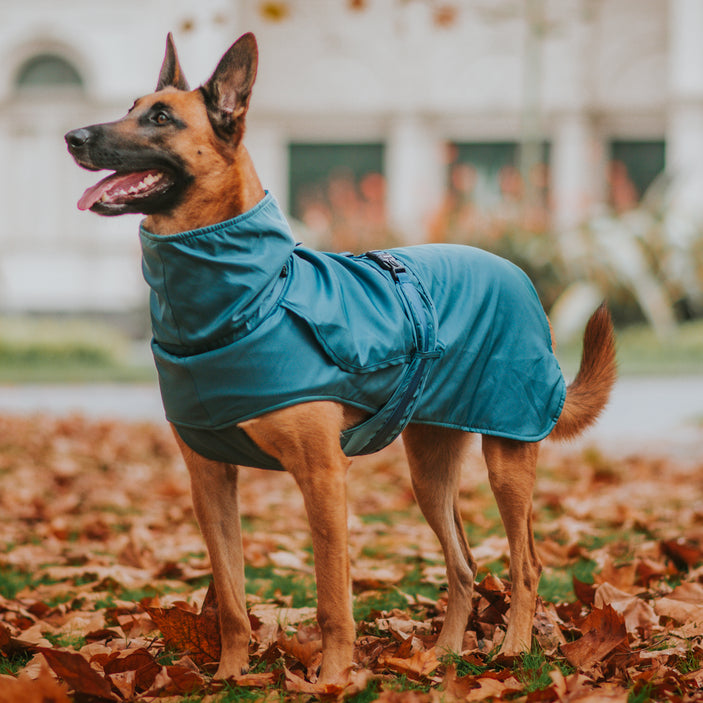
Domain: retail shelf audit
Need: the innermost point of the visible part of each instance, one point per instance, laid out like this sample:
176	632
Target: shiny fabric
244	322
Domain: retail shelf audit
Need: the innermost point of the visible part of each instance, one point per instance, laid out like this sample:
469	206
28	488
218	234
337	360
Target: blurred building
368	111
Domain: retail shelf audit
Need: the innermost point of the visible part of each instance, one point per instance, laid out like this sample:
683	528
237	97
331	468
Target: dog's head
171	139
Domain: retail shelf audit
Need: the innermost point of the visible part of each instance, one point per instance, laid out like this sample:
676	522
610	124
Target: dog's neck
202	209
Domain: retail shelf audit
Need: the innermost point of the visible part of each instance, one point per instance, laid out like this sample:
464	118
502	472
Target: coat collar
212	284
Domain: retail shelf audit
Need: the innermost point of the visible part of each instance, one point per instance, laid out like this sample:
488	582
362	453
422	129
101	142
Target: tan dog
179	158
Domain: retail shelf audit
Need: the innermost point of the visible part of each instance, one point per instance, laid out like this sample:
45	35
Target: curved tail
588	394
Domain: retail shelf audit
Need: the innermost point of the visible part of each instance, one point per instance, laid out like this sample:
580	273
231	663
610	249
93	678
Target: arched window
47	71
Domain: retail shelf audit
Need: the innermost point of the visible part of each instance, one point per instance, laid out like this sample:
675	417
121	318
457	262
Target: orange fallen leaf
309	653
419	665
138	662
297	684
636	612
260	680
683	553
185	631
604	629
125	683
75	670
24	689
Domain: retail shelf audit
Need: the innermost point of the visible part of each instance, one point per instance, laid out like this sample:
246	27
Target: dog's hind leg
435	455
215	502
511	471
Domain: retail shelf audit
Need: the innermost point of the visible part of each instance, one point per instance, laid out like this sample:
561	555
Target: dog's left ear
228	91
171	71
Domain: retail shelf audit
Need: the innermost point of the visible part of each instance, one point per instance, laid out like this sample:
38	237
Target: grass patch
462	666
47	350
411	585
534	669
67	640
556	585
10	665
365	606
640	351
13	580
268	582
235	694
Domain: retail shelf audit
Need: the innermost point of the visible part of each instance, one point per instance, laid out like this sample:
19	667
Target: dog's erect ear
228	91
171	71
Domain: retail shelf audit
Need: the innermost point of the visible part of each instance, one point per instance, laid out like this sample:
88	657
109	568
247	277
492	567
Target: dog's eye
161	117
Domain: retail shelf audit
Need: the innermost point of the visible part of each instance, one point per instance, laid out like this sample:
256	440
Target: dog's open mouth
120	189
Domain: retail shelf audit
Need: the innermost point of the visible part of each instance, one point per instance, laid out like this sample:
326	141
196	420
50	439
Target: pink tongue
114	182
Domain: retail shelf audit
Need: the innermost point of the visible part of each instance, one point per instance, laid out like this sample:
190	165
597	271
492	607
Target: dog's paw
231	670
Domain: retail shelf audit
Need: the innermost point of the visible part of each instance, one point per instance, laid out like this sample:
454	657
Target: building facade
375	109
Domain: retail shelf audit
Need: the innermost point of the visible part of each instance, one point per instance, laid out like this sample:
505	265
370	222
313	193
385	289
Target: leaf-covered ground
104	578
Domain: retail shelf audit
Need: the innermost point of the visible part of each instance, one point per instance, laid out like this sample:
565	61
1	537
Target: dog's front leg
215	502
305	440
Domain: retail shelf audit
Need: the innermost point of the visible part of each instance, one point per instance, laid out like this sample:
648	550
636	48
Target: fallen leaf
138	662
683	553
296	684
604	629
637	613
185	631
75	670
419	665
309	653
42	689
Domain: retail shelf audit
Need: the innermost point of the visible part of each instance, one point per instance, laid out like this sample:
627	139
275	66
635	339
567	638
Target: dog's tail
588	394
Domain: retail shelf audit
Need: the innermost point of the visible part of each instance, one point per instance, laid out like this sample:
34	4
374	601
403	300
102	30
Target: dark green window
489	172
47	70
338	192
634	166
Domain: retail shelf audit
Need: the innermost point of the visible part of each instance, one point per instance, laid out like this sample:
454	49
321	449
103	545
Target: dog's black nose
77	138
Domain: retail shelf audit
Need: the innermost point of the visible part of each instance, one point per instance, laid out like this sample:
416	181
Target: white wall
327	73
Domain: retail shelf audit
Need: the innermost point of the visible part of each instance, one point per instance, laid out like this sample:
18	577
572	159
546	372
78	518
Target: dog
436	341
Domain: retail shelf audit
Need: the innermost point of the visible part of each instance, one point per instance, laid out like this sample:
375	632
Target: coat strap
385	425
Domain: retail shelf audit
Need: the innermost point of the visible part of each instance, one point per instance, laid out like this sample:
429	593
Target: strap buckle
386	261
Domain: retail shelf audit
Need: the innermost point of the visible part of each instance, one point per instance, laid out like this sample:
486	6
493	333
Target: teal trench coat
245	321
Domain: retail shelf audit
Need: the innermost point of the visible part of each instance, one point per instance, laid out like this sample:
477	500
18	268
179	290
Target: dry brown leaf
604	629
683	553
296	684
637	613
138	662
185	631
42	689
259	680
75	670
309	653
547	628
419	665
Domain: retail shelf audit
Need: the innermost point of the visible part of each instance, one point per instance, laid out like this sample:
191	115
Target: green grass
640	352
556	585
67	640
13	580
268	582
48	350
379	601
533	670
235	694
11	664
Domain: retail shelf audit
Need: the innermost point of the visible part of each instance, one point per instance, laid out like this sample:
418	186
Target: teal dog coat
245	321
